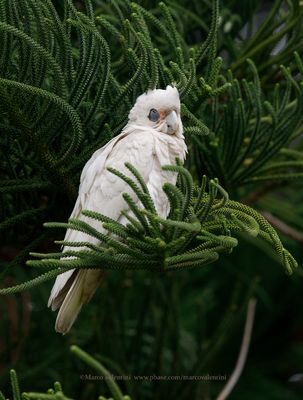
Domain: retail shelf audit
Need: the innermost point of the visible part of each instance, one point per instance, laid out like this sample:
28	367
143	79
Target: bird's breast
166	150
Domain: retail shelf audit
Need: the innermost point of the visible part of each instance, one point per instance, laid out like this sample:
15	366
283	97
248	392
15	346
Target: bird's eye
153	115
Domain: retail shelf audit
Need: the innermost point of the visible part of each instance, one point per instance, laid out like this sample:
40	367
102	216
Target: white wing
101	191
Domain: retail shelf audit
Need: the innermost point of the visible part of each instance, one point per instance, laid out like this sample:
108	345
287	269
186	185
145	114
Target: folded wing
99	191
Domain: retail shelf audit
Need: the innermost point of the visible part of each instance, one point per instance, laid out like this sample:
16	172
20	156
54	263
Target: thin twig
258	194
283	227
232	381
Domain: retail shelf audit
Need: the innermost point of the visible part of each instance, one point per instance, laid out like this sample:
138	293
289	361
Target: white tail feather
83	287
70	306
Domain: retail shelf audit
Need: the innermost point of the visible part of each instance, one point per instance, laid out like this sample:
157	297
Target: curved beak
172	122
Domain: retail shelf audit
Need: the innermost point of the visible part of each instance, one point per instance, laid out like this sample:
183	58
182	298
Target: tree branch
283	227
243	351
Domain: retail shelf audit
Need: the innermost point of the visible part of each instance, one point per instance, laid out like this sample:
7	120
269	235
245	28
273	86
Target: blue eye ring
153	115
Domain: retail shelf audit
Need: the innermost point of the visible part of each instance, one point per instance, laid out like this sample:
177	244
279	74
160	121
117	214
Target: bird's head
160	110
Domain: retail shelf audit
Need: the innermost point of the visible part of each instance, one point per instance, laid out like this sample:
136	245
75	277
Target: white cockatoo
153	137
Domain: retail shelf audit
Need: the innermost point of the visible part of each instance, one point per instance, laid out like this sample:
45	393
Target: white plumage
153	137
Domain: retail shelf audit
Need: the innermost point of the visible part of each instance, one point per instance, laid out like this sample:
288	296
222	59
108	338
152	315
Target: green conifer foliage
69	74
65	92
